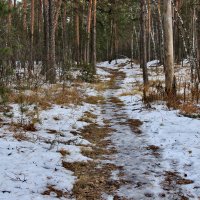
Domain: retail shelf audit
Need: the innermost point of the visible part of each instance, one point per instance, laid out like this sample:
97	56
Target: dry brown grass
68	96
97	152
190	110
88	117
95	100
101	86
93	177
45	97
59	193
29	127
52	131
131	93
92	181
64	152
134	125
94	133
16	127
116	101
154	150
112	82
33	98
20	136
173	180
56	118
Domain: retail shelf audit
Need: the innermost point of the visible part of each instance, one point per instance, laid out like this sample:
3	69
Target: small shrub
87	73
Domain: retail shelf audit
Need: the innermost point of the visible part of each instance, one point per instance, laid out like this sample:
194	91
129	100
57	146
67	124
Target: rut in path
141	161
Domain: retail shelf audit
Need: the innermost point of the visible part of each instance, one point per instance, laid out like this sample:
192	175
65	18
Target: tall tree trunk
9	16
46	37
51	74
87	47
149	32
198	41
15	3
176	34
143	50
115	39
25	15
169	51
40	19
54	11
32	33
94	35
161	34
111	39
77	34
64	22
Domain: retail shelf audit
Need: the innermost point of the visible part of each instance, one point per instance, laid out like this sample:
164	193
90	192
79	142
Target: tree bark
94	34
87	47
77	34
143	50
32	33
9	15
198	41
40	19
149	32
51	14
64	22
15	3
24	15
46	37
169	51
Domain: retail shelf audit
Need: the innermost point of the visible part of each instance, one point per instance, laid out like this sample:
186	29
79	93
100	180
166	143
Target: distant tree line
62	34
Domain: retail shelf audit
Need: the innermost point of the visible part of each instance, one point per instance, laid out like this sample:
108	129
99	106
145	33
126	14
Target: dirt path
140	162
125	165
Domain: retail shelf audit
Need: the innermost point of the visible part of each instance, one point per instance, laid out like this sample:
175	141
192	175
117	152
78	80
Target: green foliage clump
3	8
87	73
4	91
5	52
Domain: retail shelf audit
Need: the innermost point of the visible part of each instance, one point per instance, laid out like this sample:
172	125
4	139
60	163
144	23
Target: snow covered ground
168	143
31	162
159	157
